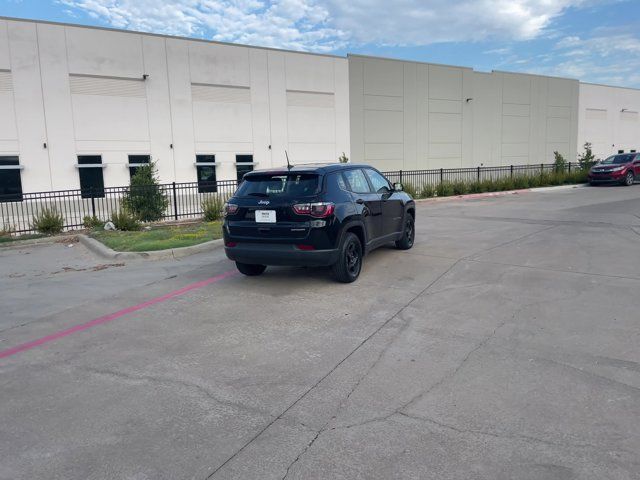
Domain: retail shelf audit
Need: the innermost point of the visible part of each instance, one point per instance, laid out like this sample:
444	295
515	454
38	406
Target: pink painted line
471	196
112	316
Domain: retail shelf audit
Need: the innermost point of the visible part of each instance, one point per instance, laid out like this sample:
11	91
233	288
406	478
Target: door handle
359	201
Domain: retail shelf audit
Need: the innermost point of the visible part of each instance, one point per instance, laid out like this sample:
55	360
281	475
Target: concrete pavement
503	345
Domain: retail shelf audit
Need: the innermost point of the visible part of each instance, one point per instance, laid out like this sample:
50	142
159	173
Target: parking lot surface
504	345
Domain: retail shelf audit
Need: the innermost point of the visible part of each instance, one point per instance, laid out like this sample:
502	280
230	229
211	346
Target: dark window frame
211	185
10	179
92	175
241	169
141	159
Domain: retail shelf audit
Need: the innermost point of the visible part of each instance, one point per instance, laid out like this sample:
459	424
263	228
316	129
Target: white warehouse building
83	106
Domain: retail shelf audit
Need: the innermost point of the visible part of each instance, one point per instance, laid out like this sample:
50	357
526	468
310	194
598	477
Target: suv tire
408	234
628	179
250	269
347	268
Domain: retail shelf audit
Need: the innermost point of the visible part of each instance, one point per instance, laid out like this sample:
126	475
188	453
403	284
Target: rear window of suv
283	185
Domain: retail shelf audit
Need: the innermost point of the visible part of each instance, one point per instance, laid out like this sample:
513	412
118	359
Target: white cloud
609	57
332	24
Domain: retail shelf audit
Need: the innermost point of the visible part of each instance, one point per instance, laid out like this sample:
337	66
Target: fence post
400	176
93	203
175	202
478	173
569	167
441	175
511	171
541	170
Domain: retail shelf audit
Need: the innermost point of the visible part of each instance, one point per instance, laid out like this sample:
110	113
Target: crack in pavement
341	362
174	382
508	436
425	290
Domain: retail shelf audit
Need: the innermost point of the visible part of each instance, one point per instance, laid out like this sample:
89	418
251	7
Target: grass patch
10	238
160	237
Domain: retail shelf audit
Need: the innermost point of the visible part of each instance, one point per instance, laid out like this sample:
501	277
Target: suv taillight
318	209
230	209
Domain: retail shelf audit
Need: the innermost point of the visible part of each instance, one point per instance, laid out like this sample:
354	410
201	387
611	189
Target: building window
91	179
136	161
206	171
244	164
10	182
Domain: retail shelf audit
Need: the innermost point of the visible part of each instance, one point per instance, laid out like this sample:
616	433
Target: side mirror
398	187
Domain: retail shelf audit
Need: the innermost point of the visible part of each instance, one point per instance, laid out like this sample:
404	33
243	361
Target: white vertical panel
181	108
158	106
260	107
410	120
356	108
57	106
5	61
30	122
342	102
278	107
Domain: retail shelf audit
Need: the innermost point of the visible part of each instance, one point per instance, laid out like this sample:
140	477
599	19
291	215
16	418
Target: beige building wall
80	90
408	115
609	119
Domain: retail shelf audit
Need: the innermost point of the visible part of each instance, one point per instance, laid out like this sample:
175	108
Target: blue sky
593	40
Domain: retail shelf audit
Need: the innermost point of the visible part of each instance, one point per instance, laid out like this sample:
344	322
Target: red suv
623	168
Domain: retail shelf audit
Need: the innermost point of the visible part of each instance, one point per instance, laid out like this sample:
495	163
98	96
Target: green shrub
145	198
6	231
459	187
212	208
534	181
410	189
559	164
123	220
48	221
427	191
474	187
92	222
586	159
520	182
444	189
343	158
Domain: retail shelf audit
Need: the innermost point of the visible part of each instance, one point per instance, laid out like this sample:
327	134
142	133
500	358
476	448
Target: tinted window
285	185
91	179
137	159
618	159
340	181
10	182
242	169
206	174
357	181
380	184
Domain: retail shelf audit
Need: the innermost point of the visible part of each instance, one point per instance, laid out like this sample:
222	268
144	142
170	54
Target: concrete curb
103	251
472	196
560	187
41	241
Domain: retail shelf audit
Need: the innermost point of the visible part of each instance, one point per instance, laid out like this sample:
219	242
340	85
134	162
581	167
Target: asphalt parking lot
504	345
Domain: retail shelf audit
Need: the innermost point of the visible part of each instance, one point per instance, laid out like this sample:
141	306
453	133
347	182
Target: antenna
288	164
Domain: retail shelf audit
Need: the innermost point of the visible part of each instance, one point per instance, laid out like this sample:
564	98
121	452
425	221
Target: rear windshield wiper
258	194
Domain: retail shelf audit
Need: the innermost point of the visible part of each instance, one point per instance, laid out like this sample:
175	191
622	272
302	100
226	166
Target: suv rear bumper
280	254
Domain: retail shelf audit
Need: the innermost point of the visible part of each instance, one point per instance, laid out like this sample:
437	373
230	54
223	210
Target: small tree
144	198
343	158
559	164
587	159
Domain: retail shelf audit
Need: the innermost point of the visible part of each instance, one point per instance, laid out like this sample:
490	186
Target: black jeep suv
315	215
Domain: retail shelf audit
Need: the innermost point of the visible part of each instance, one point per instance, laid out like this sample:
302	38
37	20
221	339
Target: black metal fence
185	200
433	177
